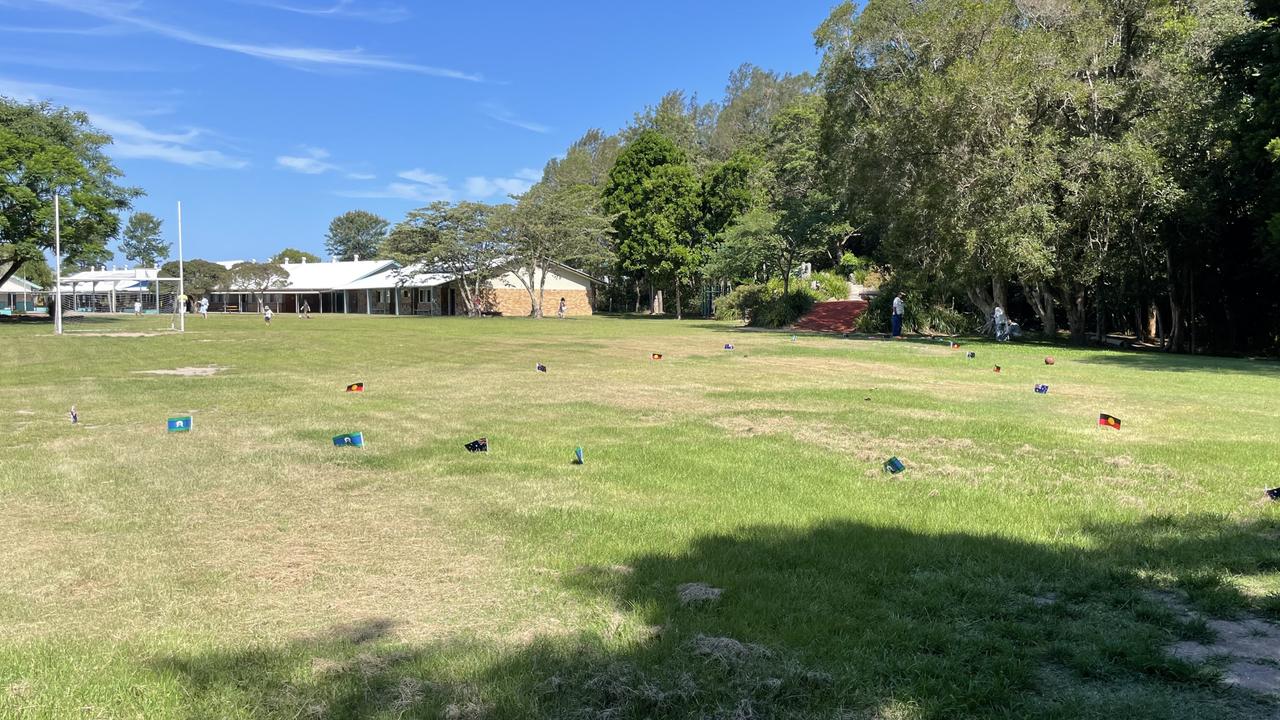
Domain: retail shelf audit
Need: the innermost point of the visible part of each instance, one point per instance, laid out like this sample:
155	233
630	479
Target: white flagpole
182	311
57	262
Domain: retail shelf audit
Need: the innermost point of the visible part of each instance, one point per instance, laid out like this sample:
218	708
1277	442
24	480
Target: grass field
1028	563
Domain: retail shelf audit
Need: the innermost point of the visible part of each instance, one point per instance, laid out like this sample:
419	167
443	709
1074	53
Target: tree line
1093	166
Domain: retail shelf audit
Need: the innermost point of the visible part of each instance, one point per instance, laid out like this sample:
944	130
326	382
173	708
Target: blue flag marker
180	424
1042	389
894	466
728	346
349	440
578	458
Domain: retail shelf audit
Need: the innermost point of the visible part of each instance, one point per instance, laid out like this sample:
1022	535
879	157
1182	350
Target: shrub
921	317
765	305
831	285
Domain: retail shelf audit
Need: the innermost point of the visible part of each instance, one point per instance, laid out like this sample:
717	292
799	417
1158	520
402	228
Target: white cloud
176	154
299	56
425	187
312	163
133	140
419	175
361	176
497	112
483	187
381	12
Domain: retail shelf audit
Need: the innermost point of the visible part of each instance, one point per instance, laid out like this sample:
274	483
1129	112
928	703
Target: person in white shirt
1000	322
899	307
266	315
204	308
137	307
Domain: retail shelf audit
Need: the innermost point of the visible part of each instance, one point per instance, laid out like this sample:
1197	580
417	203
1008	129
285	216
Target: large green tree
47	150
140	242
201	277
461	239
555	222
294	255
356	233
257	278
629	198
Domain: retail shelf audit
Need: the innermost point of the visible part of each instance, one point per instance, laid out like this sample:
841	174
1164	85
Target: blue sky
267	118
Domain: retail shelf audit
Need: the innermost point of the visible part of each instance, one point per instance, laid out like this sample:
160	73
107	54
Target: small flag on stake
180	424
1042	389
540	367
955	345
578	457
75	416
1274	493
995	368
1109	421
656	356
1048	360
728	346
971	354
349	440
355	387
481	445
893	466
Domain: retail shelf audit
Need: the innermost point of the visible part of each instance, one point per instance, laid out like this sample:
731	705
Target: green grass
249	569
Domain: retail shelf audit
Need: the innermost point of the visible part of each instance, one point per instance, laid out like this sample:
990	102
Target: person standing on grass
899	307
266	315
304	312
204	307
137	307
561	310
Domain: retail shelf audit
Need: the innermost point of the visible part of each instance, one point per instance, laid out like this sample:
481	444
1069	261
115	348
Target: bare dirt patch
184	371
1249	645
728	650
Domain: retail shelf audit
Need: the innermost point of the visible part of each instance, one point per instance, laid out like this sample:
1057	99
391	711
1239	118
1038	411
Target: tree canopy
356	233
47	150
140	243
296	256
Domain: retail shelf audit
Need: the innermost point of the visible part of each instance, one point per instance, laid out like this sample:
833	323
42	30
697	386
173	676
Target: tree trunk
1076	314
13	270
657	308
1050	318
679	310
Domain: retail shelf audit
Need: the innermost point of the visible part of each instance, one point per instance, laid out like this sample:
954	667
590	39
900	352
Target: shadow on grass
1154	360
842	620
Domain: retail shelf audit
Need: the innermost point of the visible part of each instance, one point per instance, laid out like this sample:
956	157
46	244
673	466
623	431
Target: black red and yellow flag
1109	421
355	387
656	356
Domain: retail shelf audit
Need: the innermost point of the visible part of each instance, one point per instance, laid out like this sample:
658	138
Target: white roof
16	284
324	276
412	276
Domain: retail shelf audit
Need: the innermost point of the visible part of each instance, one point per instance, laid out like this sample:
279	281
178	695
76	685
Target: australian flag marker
1042	389
1274	493
481	445
540	367
75	416
728	346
